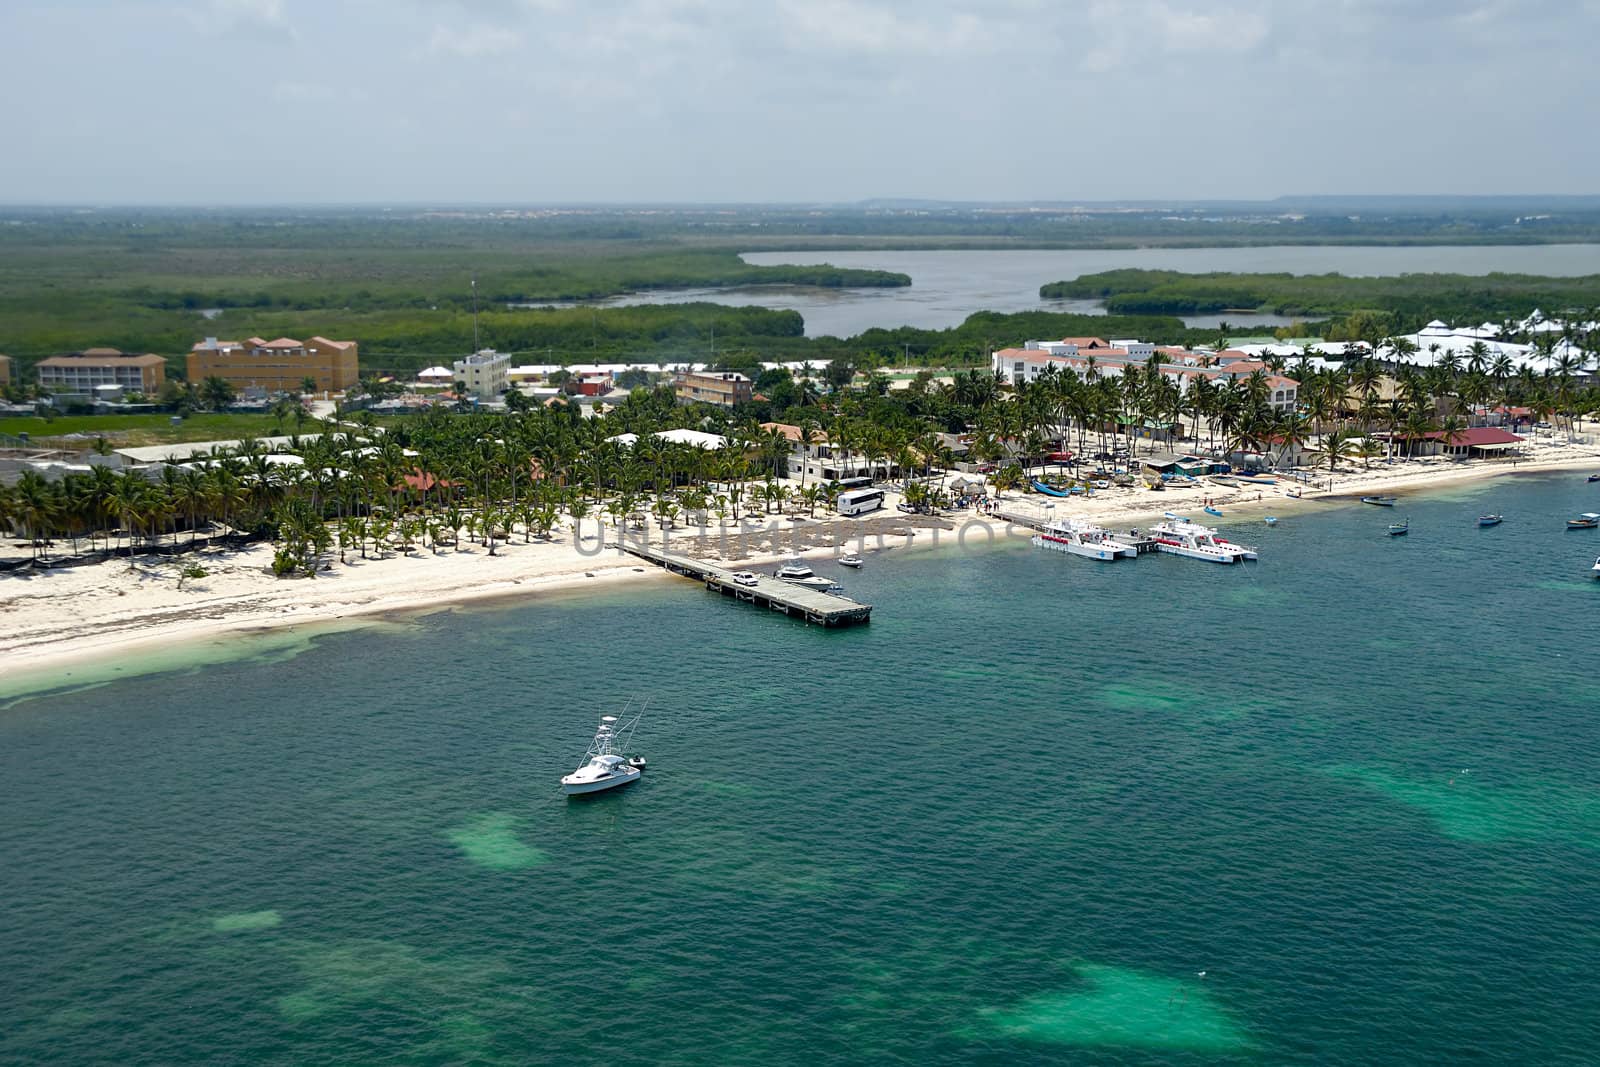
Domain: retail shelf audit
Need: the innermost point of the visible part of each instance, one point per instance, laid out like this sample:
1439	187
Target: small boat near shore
1594	478
1270	520
1381	501
1490	520
796	572
1209	510
1596	567
850	559
1587	521
1399	529
604	767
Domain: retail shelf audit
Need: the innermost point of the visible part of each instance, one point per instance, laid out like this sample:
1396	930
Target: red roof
422	481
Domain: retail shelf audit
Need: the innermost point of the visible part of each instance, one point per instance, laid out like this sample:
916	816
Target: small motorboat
1596	567
850	559
1292	494
795	572
1594	477
1399	529
1271	520
1209	510
1587	521
604	768
1490	520
1381	501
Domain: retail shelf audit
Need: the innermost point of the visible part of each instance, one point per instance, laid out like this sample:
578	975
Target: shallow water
1011	820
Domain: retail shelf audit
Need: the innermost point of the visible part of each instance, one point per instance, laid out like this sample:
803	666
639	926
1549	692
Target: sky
585	101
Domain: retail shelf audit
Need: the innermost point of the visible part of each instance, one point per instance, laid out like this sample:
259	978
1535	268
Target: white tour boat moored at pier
1180	537
1068	536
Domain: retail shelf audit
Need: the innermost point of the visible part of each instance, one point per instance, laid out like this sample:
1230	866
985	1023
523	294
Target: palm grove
425	482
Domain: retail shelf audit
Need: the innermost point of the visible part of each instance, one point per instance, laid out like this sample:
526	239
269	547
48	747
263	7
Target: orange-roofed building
278	366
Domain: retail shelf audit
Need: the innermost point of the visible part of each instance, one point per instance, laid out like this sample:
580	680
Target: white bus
860	501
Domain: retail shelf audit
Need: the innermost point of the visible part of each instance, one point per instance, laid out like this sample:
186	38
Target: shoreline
59	625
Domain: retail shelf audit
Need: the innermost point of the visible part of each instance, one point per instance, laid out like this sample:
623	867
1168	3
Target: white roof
436	372
696	438
161	453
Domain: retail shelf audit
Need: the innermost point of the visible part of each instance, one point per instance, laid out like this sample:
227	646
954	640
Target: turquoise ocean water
1356	784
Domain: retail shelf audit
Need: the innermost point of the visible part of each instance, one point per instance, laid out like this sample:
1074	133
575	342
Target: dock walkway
813	605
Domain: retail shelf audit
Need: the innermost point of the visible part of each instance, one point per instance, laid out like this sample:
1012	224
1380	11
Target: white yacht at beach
604	766
1065	535
796	572
1181	537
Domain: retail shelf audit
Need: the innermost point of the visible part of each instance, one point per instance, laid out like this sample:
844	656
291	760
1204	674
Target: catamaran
1181	537
604	766
1064	535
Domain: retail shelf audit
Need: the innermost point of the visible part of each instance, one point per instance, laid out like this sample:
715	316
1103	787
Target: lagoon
949	285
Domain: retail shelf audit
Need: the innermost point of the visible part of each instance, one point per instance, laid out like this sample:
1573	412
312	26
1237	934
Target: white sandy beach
54	619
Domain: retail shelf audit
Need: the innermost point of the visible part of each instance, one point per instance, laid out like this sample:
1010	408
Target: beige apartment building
275	366
84	372
722	388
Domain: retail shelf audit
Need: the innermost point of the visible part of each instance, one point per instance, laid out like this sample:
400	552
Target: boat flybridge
604	766
1180	537
796	572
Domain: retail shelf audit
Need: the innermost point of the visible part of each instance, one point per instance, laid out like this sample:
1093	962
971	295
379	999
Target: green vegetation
1410	299
399	281
126	431
140	281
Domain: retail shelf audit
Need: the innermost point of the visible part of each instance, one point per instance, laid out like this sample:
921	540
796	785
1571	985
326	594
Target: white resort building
483	373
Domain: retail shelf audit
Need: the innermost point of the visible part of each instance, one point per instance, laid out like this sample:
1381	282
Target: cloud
474	41
853	26
796	99
245	16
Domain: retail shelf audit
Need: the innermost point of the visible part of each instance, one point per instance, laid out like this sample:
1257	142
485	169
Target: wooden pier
812	605
1144	546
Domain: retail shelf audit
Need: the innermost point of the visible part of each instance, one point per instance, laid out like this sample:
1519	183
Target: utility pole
475	313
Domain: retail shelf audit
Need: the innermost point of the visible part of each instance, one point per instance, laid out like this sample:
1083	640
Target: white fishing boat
1596	567
850	559
1180	537
795	572
605	767
1064	536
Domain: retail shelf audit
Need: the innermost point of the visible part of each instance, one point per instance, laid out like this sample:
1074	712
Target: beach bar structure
812	605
